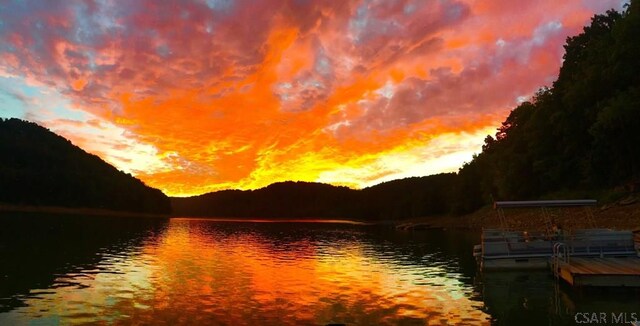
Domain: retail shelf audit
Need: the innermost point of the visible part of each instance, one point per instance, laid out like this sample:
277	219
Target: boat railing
602	244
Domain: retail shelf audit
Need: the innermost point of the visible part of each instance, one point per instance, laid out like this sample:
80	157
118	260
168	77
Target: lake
78	270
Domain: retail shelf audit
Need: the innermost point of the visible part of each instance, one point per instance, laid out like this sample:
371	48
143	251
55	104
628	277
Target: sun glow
343	92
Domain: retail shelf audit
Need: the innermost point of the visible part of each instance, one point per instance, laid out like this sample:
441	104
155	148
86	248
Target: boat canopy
545	203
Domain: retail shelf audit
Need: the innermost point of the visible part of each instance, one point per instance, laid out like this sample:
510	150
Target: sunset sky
198	96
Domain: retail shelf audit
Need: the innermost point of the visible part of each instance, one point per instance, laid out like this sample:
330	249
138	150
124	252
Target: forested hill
582	134
578	137
397	199
38	167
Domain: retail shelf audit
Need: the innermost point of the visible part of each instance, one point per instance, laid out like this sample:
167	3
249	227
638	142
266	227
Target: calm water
70	270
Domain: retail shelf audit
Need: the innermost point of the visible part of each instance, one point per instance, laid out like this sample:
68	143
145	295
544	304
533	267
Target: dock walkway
599	271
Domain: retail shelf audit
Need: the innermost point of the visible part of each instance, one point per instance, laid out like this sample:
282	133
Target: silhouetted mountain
286	200
38	167
410	197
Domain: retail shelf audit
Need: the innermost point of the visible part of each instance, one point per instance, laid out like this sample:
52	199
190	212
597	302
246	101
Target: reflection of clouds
199	271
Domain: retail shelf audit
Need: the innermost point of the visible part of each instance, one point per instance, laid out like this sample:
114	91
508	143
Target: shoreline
621	215
77	211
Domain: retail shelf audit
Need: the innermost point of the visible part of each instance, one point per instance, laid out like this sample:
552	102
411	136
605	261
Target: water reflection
41	253
195	271
535	298
77	270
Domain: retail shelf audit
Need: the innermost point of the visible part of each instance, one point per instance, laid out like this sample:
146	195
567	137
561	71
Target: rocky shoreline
623	214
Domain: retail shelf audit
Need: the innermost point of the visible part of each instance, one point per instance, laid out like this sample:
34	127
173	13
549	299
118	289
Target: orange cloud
214	95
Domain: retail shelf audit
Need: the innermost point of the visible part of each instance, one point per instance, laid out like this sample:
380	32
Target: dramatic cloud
195	96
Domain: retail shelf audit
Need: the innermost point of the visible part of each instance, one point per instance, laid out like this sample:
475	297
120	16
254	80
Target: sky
204	95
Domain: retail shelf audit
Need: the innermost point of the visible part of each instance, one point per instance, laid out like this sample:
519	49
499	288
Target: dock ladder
560	254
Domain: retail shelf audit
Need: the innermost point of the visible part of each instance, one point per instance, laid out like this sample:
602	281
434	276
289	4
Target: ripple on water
196	272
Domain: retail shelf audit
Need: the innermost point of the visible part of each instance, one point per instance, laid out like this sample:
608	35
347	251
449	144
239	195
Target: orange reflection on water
203	272
241	275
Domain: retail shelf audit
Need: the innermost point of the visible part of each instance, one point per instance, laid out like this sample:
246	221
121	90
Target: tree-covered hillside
38	167
580	134
397	199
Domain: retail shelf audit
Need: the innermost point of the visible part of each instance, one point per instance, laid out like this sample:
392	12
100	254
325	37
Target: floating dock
589	257
598	271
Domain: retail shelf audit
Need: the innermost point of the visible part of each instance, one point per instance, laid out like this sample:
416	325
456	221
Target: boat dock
597	271
581	257
618	269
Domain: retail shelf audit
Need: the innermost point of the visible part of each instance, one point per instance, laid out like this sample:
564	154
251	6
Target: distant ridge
40	168
397	199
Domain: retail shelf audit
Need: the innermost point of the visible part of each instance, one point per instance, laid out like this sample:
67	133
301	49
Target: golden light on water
204	272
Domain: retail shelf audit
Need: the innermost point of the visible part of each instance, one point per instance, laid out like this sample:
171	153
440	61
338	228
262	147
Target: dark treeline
286	200
582	134
411	197
38	167
579	136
